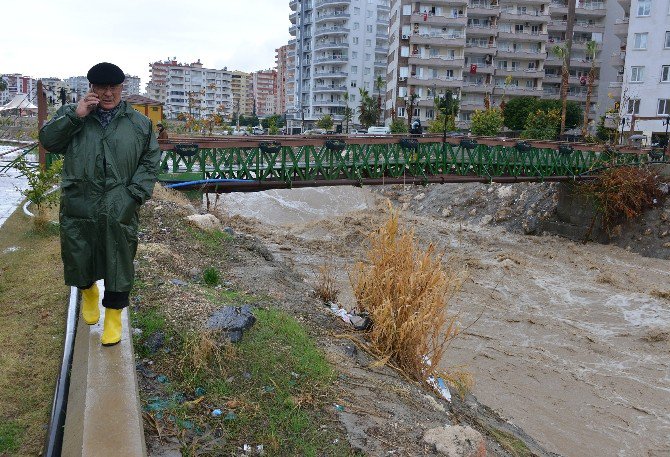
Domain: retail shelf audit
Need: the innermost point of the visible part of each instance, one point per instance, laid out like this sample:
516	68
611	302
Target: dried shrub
406	292
204	353
326	289
622	194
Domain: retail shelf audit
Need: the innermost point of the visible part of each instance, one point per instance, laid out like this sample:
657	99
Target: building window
366	71
404	51
356	25
355	40
353	83
402	92
368	43
417	112
407	10
401	111
665	73
633	106
664	107
640	40
643	7
354	55
430	114
357	10
636	74
368	28
367	57
667	39
352	97
354	70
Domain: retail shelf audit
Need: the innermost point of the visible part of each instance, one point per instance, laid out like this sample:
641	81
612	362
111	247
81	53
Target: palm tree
368	109
379	83
565	76
591	50
562	53
348	112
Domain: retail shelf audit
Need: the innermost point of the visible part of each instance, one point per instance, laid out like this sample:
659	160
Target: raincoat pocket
75	199
127	213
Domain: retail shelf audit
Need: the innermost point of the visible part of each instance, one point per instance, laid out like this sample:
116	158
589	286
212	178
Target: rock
446	212
350	349
178	282
229	231
155	341
420	196
360	322
505	191
195	273
473	212
233	320
530	225
663	187
664	234
207	222
261	250
665	216
486	220
666	245
456	441
647	232
502	214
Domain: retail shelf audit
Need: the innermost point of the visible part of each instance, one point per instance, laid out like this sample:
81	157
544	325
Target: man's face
110	94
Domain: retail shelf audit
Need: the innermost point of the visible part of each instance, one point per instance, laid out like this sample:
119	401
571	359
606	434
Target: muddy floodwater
11	184
570	342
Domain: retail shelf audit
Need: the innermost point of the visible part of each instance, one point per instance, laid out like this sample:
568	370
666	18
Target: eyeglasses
102	88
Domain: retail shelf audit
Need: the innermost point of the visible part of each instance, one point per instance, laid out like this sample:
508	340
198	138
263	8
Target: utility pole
565	81
41	119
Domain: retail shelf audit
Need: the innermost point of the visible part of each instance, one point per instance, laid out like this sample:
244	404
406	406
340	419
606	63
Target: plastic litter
359	321
162	379
440	386
230	416
199	391
339	408
216	413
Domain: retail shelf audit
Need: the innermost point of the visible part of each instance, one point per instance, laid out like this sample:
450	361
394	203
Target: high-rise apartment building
264	88
643	63
281	62
18	84
190	89
78	85
131	85
341	46
243	101
485	52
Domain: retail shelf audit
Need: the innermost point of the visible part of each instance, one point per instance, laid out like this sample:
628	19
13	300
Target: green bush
487	122
437	126
398	125
517	110
326	122
543	125
211	276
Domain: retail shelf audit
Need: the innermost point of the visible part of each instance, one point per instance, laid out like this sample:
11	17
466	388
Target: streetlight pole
666	122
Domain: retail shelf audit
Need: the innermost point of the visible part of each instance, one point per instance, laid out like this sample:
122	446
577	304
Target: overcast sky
66	37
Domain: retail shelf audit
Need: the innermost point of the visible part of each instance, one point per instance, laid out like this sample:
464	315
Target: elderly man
111	162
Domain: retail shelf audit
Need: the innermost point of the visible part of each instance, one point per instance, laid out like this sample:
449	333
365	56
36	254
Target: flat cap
105	73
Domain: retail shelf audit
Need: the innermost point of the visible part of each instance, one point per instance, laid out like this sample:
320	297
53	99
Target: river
11	185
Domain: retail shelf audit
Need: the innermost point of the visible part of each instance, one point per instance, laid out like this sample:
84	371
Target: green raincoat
107	174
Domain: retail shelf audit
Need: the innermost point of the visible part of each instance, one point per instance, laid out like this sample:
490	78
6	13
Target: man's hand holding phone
87	104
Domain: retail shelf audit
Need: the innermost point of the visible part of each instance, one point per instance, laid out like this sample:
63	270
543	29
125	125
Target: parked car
258	130
314	132
378	130
240	133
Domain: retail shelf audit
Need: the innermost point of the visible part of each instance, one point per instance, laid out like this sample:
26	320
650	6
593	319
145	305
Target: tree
326	122
398	126
276	118
368	111
379	83
516	112
543	125
272	127
3	85
591	51
437	124
487	122
573	112
348	112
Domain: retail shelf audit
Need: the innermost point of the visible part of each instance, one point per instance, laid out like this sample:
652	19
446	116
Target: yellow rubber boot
89	304
111	332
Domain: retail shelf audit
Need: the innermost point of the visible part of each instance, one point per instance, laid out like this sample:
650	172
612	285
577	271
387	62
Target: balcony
293	30
383	7
482	9
584	63
521	55
385	21
579	27
625	4
331	16
329	103
433	19
482	68
381	50
331	74
437	39
591	9
293	4
436	61
449	2
523	36
518	90
519	73
471	105
615	89
332	88
523	2
481	30
331	45
618	59
336	60
293	17
322	3
381	63
621	28
434	82
480	50
475	88
331	31
513	15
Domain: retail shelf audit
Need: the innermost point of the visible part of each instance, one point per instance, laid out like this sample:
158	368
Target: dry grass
203	353
326	288
664	294
622	194
406	292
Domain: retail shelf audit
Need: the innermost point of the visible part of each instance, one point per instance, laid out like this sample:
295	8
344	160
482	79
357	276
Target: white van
378	130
